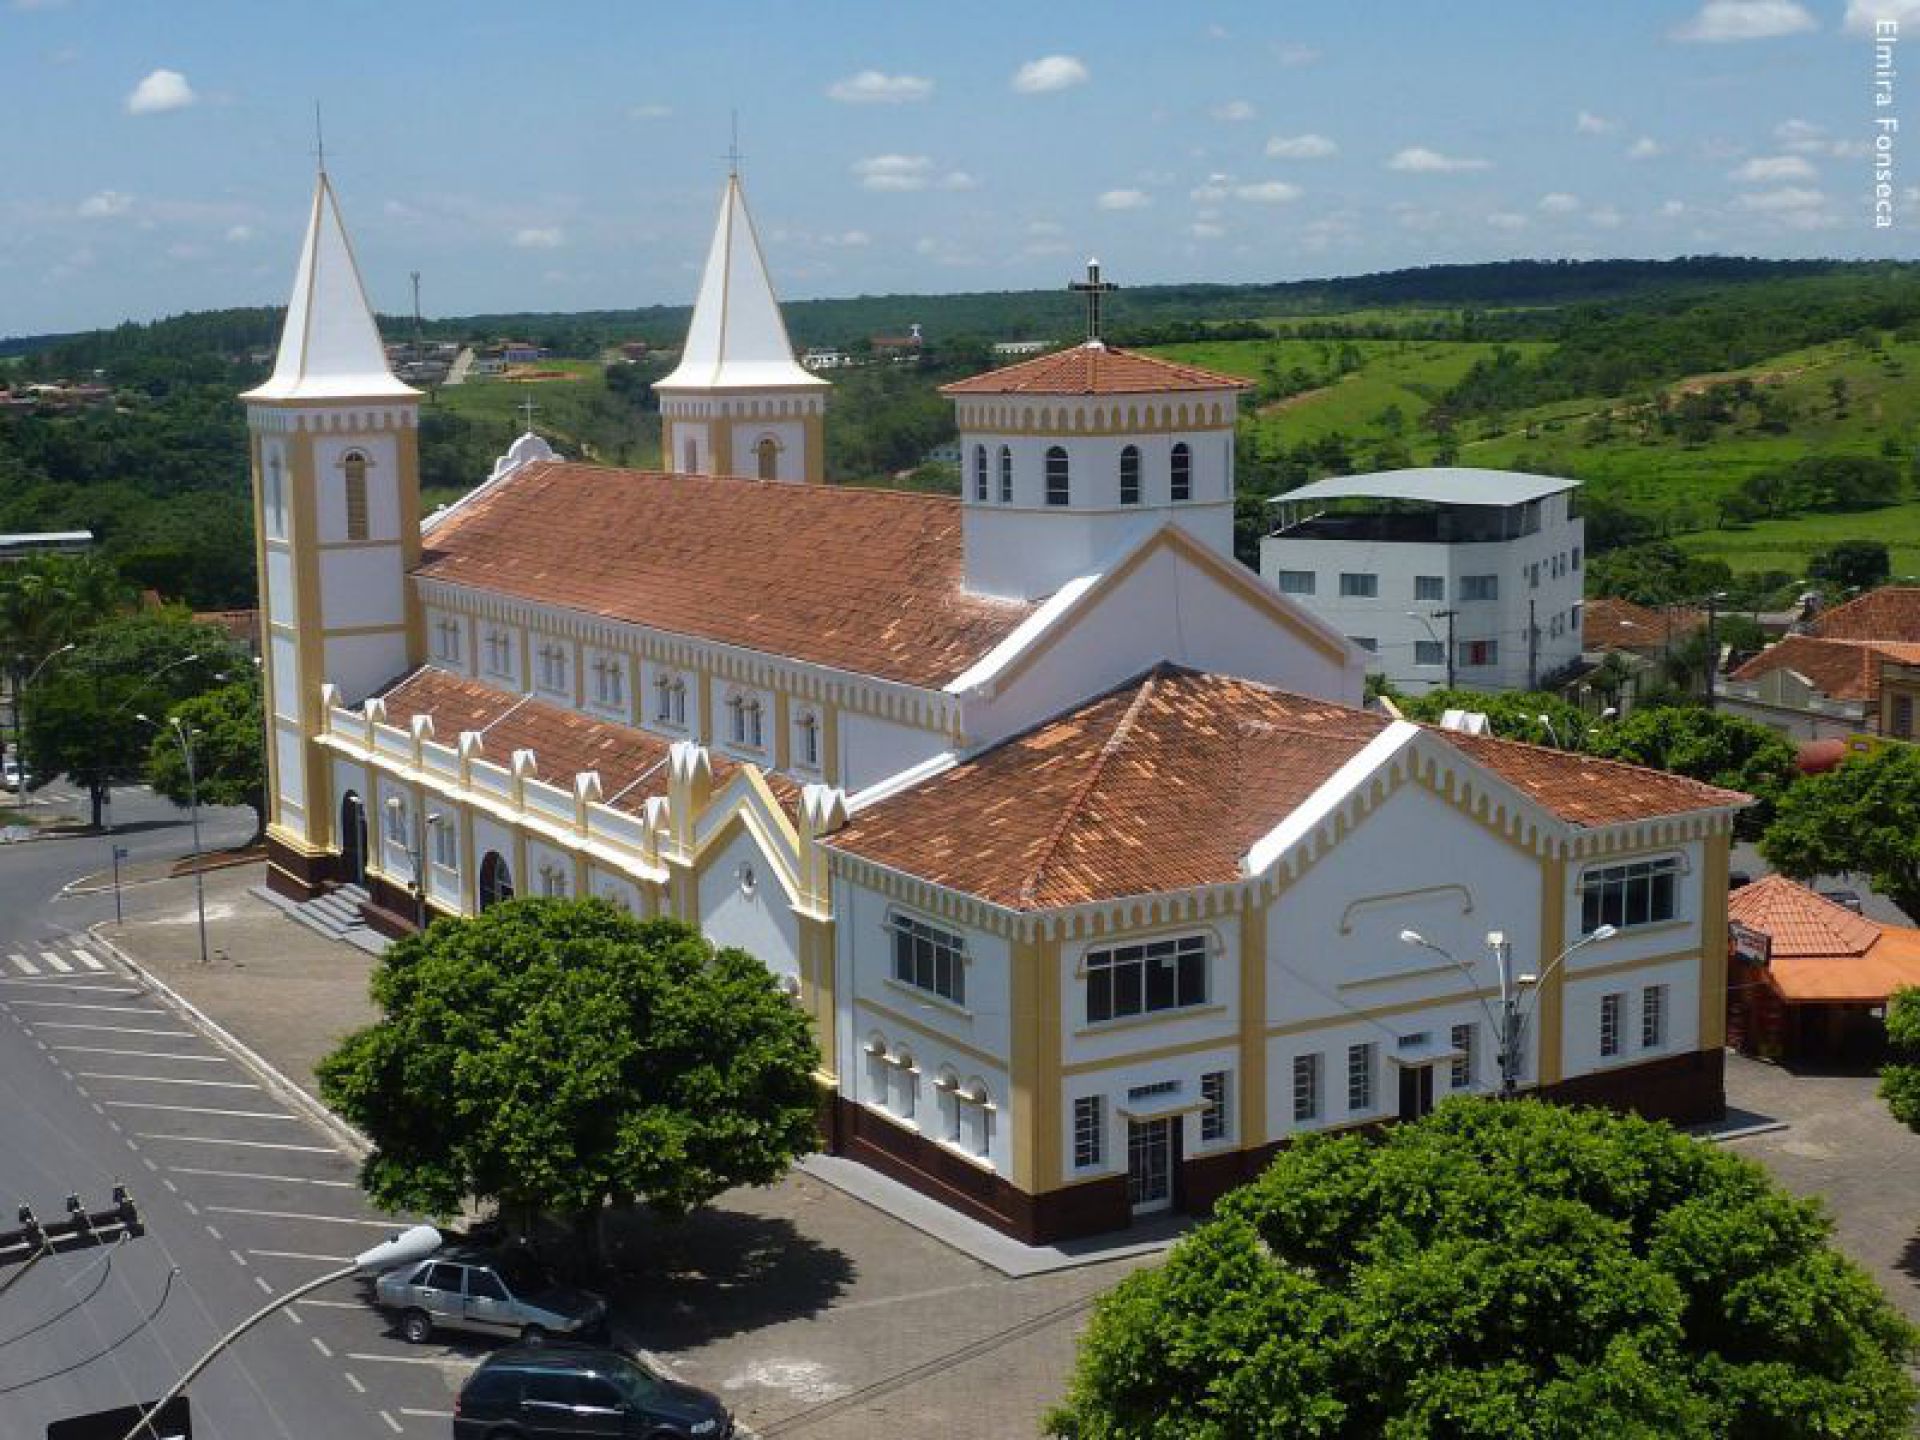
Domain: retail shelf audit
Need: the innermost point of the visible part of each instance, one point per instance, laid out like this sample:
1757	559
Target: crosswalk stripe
87	958
24	965
56	962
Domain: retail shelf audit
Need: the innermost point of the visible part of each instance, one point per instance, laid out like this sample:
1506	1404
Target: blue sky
568	156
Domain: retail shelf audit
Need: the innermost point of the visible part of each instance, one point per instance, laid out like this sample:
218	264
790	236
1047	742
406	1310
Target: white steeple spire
330	347
737	340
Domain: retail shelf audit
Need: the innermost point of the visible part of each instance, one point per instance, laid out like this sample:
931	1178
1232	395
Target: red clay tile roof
1608	622
868	581
1822	951
1094	369
1890	613
1168	781
1838	669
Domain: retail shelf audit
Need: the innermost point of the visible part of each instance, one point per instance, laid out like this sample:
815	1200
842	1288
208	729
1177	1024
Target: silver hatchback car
489	1292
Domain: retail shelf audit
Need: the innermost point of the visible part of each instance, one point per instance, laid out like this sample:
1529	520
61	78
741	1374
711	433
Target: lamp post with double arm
184	736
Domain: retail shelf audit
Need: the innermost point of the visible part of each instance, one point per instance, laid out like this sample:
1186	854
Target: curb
93	884
342	1134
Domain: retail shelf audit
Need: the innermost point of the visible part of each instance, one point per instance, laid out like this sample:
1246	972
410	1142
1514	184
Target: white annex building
1066	830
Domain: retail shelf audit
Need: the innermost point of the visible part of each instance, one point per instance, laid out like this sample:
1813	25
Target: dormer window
447	640
807	740
500	654
1130	475
1059	476
609	681
1182	472
553	666
745	722
670	700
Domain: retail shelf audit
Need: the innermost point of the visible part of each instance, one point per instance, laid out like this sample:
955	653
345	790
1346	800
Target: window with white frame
1360	1067
1429	652
1479	587
1610	1007
1180	472
1146	978
446	844
1430	587
746	721
1653	1017
976	1118
1089	1131
1006	476
929	958
398	830
1358	585
946	1088
1306	1088
499	648
670	700
609	680
1059	476
1465	1038
553	666
980	473
1479	652
1368	643
1130	475
446	640
1294	582
806	739
1213	1105
1644	892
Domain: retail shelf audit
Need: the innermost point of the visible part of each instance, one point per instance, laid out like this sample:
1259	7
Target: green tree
1509	1270
1863	815
48	602
1852	565
558	1056
1513	715
228	731
1900	1076
1707	745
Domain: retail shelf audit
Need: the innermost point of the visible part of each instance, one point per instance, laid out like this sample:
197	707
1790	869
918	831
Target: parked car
569	1390
13	775
490	1292
1850	899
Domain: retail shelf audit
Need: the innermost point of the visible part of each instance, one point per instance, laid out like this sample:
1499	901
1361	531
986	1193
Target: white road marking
144	1054
288	1312
335	1304
296	1215
238	1258
322	1346
64	967
392	1422
426	1414
75	986
114	1029
76	1005
169	1080
246	1144
87	958
149	1164
299	1255
192	1209
199	1110
255	1175
259	1280
215	1233
24	965
445	1362
354	1380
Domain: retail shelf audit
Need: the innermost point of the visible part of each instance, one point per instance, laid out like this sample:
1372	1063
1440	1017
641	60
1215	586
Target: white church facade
1070	835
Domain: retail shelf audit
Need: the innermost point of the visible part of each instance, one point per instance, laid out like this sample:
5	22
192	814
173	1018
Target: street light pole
403	1248
183	736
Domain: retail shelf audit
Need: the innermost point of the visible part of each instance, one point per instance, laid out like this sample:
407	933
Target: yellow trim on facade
868	1005
1026	1023
1645	962
1225	1040
1376	1012
1252	1086
1552	1002
1713	944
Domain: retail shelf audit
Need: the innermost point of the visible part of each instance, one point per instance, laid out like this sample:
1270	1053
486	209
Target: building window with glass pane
1295	582
1460	1074
1653	1017
1642	893
1213	1105
929	959
1142	979
1306	1088
1610	1008
1358	586
1089	1131
1360	1068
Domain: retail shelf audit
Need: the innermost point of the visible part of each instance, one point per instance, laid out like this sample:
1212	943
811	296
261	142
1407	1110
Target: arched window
496	880
980	473
1182	472
1006	476
1130	475
807	729
766	458
1059	479
354	467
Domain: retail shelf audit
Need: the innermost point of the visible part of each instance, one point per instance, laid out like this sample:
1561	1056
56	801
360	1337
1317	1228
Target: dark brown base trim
1688	1089
294	875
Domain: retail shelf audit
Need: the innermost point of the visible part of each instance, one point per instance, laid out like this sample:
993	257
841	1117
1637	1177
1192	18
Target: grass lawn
1789	544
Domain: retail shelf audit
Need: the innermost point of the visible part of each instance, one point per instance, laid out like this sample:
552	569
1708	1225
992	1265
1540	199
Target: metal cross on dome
528	408
1093	287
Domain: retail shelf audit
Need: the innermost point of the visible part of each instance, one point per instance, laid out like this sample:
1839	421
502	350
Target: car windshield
522	1273
636	1384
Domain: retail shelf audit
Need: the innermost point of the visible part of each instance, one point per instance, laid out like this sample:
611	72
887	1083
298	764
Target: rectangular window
1903	717
1574	618
1369	643
1479	587
1653	1017
1089	1131
1295	582
1642	893
1429	652
929	959
609	681
1306	1088
1360	1069
446	845
1430	587
1610	1007
1479	652
500	653
1146	978
1355	586
447	643
1460	1073
1213	1108
1576	557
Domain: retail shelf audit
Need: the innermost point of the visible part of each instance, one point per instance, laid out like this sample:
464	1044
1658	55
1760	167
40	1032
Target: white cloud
1787	197
958	180
161	90
1233	110
1217	32
1604	216
1422	161
1050	72
1799	137
1588	123
1294	55
876	87
1215	189
848	240
1764	168
1267	192
186	250
1507	220
649	112
1046	227
1645	148
1726	20
1787	132
895	172
105	205
1863	14
1205	230
1301	147
1559	203
540	237
1671	208
1124	200
239	234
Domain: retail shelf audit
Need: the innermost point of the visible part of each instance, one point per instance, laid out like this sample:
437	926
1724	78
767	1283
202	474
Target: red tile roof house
1826	683
1809	979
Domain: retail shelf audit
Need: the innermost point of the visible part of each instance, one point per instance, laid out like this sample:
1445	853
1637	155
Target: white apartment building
1447	576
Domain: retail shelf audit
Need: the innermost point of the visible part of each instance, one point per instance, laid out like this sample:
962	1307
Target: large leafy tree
227	731
48	602
1707	745
1900	1076
555	1056
1863	815
83	714
1503	1270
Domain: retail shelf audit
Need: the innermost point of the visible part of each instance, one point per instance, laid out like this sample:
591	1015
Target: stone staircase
337	916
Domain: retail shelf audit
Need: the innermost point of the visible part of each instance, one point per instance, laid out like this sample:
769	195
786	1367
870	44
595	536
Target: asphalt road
242	1199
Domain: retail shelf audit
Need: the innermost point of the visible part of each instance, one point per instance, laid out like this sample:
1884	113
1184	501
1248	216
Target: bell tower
333	437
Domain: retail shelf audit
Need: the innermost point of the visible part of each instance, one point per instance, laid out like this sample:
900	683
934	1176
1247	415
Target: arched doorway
766	458
353	840
496	880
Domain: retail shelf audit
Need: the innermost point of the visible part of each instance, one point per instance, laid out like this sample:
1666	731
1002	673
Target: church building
1072	838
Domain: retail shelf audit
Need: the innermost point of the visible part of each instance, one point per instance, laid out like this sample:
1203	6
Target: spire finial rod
1093	287
733	157
319	140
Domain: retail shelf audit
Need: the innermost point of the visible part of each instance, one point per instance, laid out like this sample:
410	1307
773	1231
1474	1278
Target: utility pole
1448	615
1533	649
83	1229
1509	1052
1713	643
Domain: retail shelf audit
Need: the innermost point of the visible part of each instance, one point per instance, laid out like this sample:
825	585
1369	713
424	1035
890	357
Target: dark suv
532	1392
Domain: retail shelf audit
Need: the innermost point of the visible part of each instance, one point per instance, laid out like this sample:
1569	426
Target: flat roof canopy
1442	485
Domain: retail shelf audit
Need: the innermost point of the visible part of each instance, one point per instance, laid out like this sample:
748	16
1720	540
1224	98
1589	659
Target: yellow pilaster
469	866
1034	1070
830	743
1713	943
1253	1024
781	729
1552	940
816	978
814	427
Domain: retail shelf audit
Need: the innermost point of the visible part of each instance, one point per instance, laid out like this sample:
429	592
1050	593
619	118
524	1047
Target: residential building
1450	576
